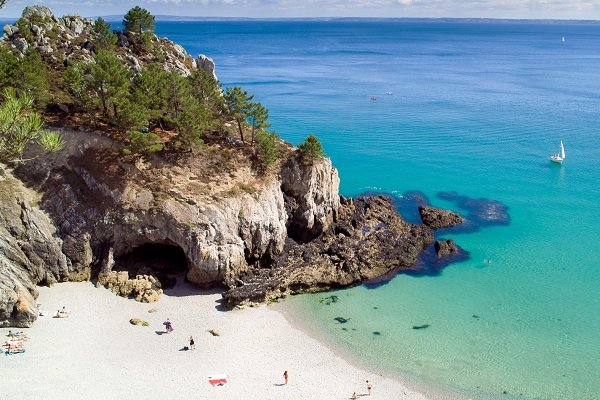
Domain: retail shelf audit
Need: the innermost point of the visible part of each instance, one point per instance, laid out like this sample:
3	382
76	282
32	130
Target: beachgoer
369	387
168	326
285	377
354	396
192	343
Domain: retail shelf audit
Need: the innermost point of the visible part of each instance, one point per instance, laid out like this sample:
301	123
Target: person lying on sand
61	314
17	335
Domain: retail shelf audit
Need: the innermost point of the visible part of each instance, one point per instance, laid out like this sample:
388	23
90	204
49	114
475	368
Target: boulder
375	241
207	64
41	12
21	45
142	288
436	218
444	248
10	30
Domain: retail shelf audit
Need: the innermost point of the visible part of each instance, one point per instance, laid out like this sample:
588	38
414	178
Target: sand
97	354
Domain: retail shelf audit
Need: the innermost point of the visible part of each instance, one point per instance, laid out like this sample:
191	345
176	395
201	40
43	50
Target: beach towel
217	379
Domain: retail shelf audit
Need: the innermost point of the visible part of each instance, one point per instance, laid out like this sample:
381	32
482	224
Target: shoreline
296	316
96	352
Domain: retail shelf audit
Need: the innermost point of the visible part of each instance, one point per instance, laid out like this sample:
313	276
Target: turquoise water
476	108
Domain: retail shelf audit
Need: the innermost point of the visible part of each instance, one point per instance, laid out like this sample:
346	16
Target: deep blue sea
476	108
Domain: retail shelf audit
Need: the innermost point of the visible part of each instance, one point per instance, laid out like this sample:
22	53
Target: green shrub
267	148
311	150
145	143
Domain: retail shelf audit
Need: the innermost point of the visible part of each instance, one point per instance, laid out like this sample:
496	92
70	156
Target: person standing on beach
168	326
285	377
192	343
369	387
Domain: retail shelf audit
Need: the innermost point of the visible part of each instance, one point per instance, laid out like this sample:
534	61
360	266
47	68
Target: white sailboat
559	157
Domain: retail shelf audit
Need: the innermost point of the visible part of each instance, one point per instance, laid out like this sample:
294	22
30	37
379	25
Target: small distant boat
562	39
559	157
389	93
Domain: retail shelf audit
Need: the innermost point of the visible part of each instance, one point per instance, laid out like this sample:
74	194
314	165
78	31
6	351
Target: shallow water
477	108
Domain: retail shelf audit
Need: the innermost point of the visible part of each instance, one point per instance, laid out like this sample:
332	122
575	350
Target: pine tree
208	90
311	150
138	20
149	91
20	125
267	148
258	117
110	81
239	104
28	74
104	38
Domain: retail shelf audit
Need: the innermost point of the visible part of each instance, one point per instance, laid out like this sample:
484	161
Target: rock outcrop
260	237
311	196
30	253
444	248
71	38
142	288
367	240
436	218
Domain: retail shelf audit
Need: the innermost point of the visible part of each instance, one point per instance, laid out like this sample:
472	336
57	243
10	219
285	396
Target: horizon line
182	18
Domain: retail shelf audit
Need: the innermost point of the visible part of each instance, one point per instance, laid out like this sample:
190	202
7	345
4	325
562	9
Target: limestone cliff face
30	253
105	208
312	196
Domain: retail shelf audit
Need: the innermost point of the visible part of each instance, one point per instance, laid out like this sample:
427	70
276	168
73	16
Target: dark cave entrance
164	261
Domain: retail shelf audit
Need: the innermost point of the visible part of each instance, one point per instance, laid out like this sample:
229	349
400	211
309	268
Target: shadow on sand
183	288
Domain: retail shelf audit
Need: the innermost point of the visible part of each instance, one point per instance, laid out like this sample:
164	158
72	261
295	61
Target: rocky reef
367	240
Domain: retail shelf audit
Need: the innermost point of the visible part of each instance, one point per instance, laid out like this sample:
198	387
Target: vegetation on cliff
19	126
142	91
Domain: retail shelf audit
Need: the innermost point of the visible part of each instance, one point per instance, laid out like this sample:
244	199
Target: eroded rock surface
30	252
142	288
445	248
368	239
436	218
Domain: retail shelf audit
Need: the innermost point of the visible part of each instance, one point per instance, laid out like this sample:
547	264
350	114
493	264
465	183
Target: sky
516	9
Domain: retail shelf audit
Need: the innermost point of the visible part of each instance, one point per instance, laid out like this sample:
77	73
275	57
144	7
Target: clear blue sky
554	9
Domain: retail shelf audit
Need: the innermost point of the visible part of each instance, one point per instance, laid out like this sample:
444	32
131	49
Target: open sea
476	109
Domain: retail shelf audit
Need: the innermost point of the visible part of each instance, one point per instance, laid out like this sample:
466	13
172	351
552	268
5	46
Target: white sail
562	150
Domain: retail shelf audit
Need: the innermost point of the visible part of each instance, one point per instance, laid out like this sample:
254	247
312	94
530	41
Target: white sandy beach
97	354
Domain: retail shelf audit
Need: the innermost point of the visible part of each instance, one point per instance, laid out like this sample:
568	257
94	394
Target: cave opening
165	261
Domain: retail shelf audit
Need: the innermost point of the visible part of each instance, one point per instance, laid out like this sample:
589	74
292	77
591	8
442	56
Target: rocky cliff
91	211
30	252
71	38
261	237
